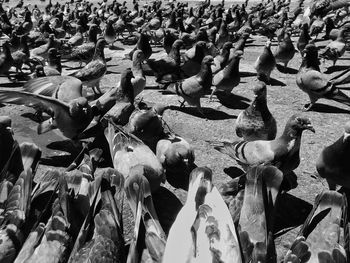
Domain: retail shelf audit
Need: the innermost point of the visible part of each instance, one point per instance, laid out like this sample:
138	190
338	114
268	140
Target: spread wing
49	105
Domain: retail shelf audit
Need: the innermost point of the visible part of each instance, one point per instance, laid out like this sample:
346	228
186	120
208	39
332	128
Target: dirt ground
284	99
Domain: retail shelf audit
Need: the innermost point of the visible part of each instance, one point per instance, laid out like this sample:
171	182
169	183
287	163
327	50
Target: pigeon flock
118	200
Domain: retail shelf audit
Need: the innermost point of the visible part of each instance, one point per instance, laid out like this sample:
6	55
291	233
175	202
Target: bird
204	209
283	152
335	49
193	58
195	87
332	164
319	236
167	69
265	63
6	60
107	240
142	44
256	220
139	79
54	66
138	193
229	77
316	84
222	59
256	122
92	72
128	151
84	52
70	118
285	51
77	39
304	38
177	158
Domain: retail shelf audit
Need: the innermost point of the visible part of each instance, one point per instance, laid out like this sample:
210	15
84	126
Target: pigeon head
346	132
208	60
138	56
268	44
178	43
5	125
227	45
80	108
179	152
300	123
53	53
260	90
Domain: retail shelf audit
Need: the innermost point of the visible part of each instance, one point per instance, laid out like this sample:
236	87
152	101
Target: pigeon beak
10	130
310	128
346	136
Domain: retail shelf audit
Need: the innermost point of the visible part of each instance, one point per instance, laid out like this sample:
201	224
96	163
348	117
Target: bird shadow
287	70
245	74
11	85
34	117
296	214
69	68
232	101
233	172
209	113
276	82
167	206
64	146
324	108
58	160
112	72
115	48
332	69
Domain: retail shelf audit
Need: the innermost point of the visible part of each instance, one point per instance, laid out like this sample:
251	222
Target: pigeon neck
289	133
99	53
7	51
311	62
175	54
260	105
205	74
126	89
233	67
137	68
55	63
199	55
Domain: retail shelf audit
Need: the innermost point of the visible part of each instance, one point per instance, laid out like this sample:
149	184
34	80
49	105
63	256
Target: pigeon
257	214
222	59
335	49
70	118
195	87
139	79
265	63
92	72
54	66
319	237
332	164
202	217
316	84
256	122
177	157
6	60
193	59
228	78
143	45
304	38
285	50
128	151
283	152
168	69
138	193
